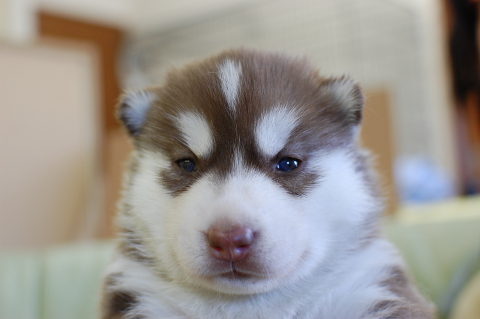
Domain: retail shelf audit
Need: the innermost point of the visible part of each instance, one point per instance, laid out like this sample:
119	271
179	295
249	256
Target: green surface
60	283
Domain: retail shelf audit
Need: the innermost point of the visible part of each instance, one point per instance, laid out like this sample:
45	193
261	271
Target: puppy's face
245	175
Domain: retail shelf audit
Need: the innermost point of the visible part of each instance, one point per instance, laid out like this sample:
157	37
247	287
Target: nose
231	244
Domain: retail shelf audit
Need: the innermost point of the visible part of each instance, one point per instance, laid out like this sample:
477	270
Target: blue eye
288	164
187	164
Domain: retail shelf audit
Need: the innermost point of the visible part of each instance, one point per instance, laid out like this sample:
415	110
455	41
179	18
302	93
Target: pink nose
232	244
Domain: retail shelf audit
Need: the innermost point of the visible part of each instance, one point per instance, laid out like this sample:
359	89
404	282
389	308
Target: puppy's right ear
133	109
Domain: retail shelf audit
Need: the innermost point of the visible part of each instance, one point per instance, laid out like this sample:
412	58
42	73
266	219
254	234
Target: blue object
419	180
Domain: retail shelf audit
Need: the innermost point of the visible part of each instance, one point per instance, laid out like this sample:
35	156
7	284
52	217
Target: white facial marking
274	129
230	73
196	133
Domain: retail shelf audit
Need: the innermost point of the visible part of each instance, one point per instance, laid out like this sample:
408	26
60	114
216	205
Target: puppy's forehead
230	73
235	103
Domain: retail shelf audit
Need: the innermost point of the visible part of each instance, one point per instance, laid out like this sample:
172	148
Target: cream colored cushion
468	303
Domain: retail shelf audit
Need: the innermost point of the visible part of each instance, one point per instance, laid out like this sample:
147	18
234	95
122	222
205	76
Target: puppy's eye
288	164
186	164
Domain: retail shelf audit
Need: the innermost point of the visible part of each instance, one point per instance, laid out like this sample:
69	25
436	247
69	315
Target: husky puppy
248	197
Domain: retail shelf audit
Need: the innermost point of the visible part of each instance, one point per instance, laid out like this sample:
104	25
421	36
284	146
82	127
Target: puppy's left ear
344	93
133	109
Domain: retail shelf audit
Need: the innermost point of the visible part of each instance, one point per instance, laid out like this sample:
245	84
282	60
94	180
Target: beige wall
49	130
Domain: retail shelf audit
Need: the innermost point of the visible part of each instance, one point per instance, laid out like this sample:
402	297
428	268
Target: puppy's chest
340	295
353	305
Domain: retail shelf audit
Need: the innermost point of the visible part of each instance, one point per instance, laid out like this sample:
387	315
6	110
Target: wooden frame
107	41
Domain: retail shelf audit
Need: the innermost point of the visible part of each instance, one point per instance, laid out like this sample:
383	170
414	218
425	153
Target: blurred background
64	63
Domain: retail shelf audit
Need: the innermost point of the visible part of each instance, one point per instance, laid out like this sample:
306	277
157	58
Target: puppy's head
246	175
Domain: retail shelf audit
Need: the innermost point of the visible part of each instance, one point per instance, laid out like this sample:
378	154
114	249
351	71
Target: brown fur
116	303
268	80
401	284
132	246
408	306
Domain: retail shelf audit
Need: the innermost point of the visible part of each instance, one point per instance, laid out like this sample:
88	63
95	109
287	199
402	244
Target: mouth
236	275
234	271
240	282
240	278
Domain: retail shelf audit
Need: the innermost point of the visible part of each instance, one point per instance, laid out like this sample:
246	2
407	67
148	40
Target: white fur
301	239
196	133
341	181
188	216
230	74
139	103
274	128
342	92
342	294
